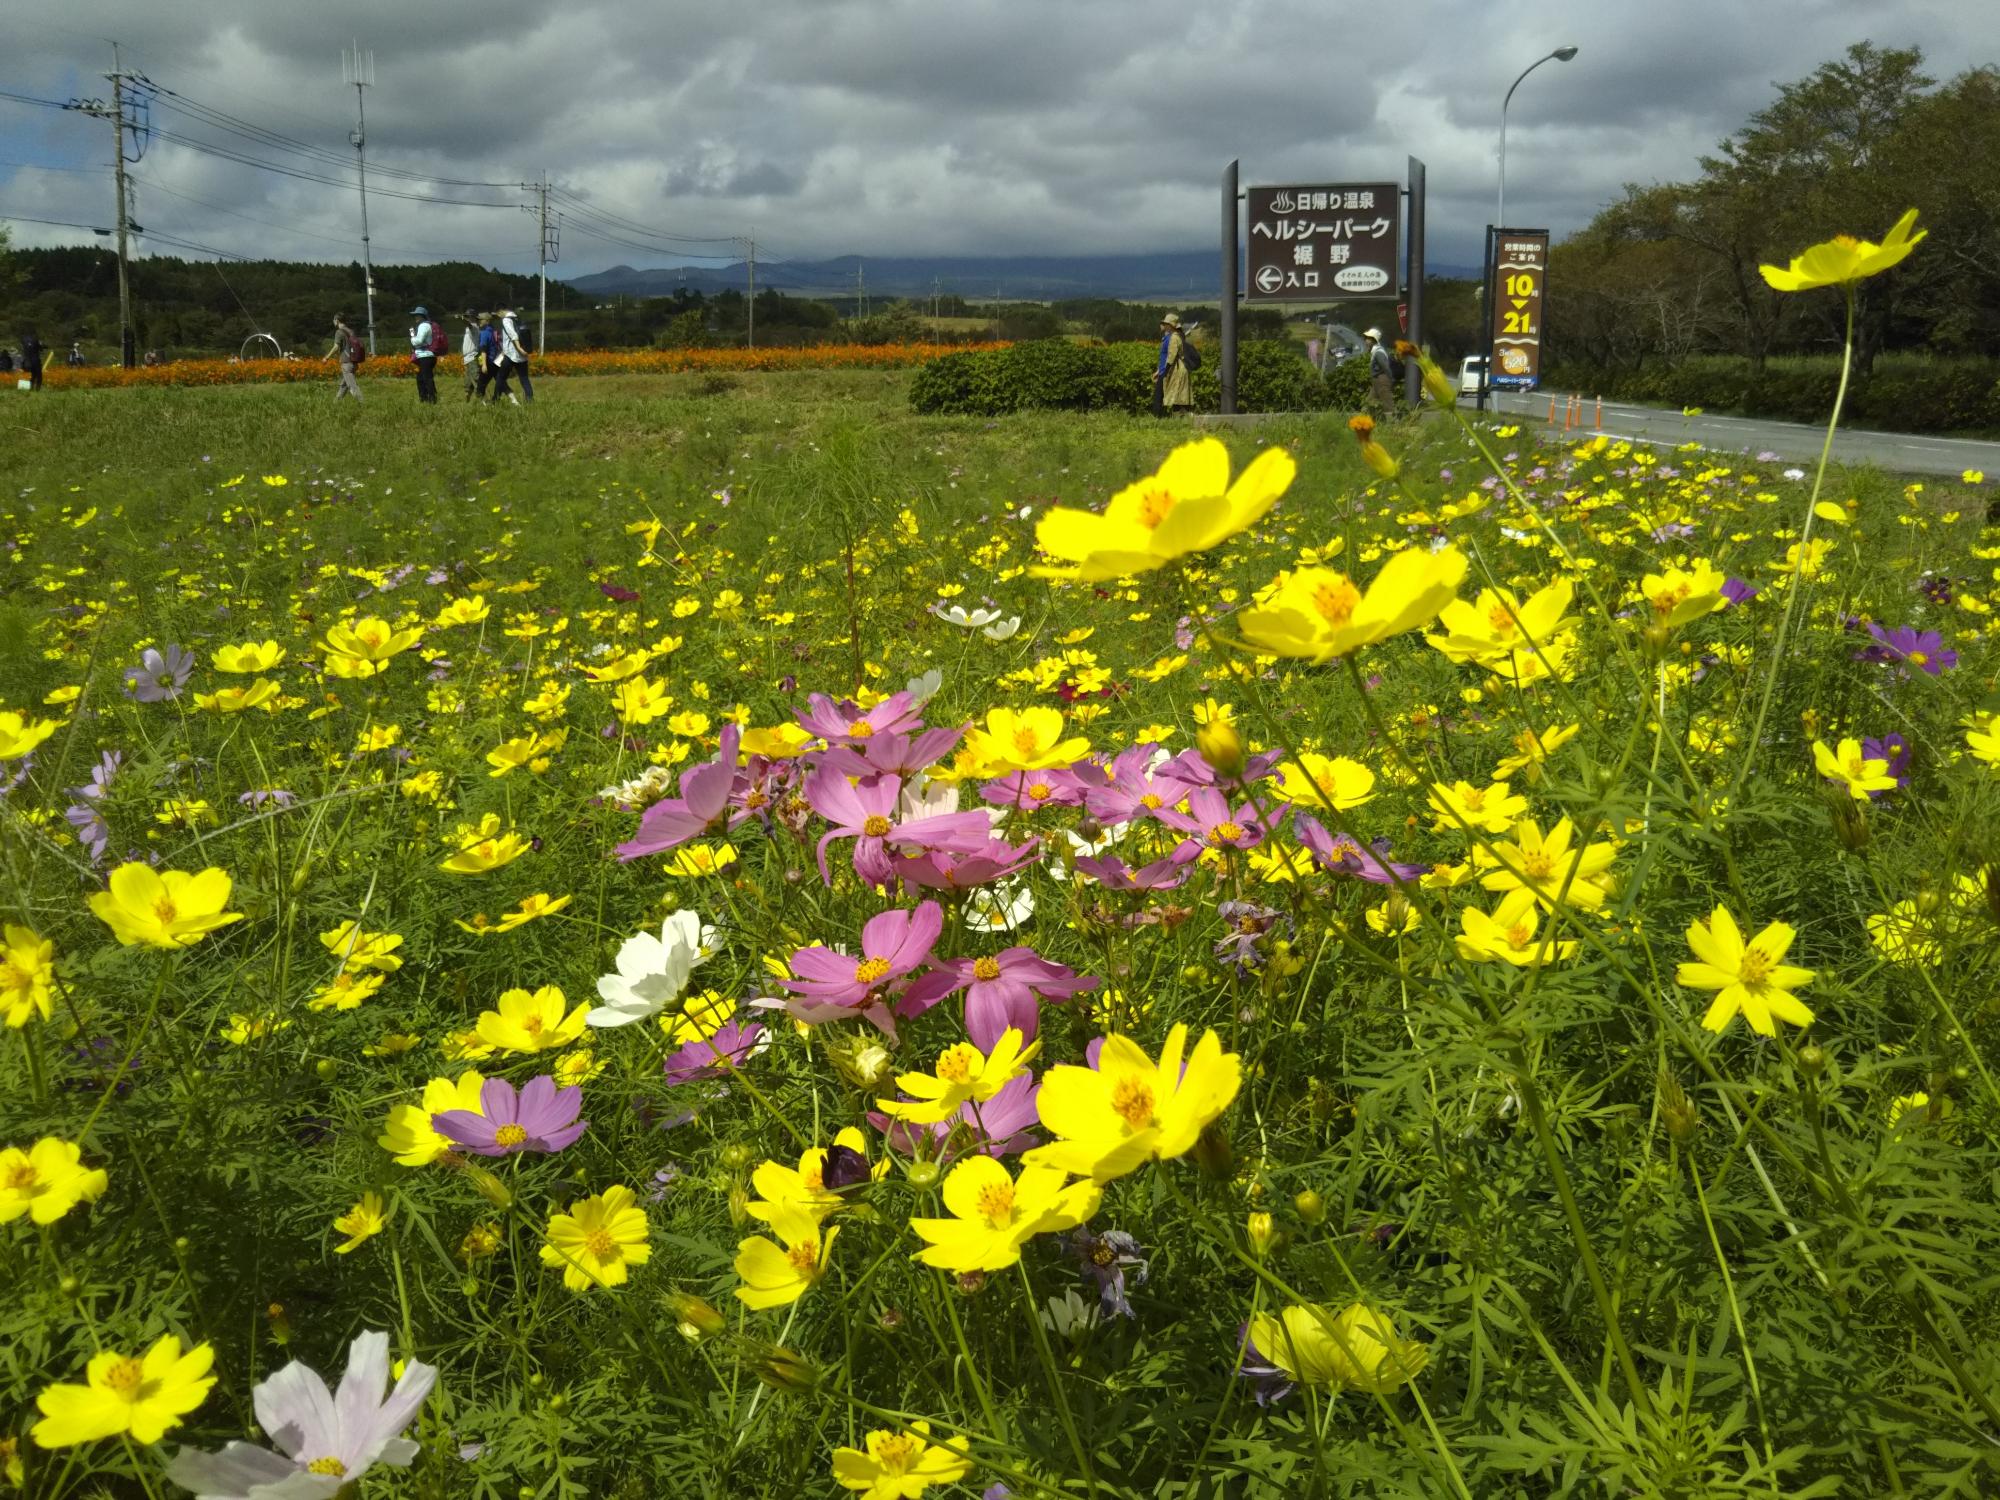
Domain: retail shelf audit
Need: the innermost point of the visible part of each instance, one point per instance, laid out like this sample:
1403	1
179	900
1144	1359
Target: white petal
296	1411
228	1475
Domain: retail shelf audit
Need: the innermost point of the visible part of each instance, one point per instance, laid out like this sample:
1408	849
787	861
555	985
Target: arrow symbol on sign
1269	278
1517	303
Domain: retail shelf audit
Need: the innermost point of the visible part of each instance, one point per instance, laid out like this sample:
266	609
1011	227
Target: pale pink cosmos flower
700	809
832	985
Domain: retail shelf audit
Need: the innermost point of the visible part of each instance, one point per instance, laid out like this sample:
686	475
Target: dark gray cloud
902	127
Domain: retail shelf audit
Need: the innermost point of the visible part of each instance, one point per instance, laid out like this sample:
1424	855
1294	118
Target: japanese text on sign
1520	267
1326	242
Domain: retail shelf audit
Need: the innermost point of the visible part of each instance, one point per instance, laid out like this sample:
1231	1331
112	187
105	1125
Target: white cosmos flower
1004	630
652	971
1001	907
328	1440
924	798
953	614
923	688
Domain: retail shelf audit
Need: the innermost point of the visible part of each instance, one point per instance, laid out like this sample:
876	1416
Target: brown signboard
1323	243
1520	267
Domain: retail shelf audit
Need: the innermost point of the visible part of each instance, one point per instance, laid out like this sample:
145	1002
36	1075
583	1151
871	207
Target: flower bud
559	1403
488	1186
696	1317
1812	1059
923	1174
1676	1108
1380	459
739	1204
1221	746
1213	1153
1850	823
328	1069
281	1326
1655	639
864	1063
969	1283
736	1156
1261	1232
1311	1208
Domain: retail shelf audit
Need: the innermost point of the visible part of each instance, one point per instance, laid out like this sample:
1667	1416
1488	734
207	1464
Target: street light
1561	54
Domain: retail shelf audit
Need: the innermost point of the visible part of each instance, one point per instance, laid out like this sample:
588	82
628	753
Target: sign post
1413	278
1520	261
1226	362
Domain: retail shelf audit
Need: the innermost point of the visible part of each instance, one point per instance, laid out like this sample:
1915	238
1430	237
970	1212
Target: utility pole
117	77
751	305
549	249
358	68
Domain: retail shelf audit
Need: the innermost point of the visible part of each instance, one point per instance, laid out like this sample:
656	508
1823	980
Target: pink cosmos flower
1342	854
1003	990
1028	790
712	1057
844	722
895	754
701	808
1114	874
834	986
866	812
1189	766
954	870
1130	786
540	1117
1219	827
1002	1126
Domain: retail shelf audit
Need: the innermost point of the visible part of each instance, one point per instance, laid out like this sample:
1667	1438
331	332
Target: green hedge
1057	374
1902	393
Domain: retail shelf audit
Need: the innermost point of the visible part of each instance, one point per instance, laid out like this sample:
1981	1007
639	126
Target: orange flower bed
562	362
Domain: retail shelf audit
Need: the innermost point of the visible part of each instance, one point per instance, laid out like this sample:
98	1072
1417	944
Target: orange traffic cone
1600	414
1552	409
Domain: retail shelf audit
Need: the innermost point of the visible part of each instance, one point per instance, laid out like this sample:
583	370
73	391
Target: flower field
393	363
1349	960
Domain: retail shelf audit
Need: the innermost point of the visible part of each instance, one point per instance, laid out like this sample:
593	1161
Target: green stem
1055	1380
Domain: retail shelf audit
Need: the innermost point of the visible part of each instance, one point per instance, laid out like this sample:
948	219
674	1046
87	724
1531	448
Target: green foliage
1059	374
1903	393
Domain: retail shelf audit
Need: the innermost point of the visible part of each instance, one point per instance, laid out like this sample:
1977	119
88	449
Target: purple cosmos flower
1002	990
1131	786
1935	587
1736	591
897	754
1924	649
1220	826
159	678
1672	531
711	1057
956	870
1114	874
702	806
1029	790
844	722
1272	1384
1341	854
866	812
1248	929
258	796
835	986
540	1117
1105	1258
1002	1126
1189	766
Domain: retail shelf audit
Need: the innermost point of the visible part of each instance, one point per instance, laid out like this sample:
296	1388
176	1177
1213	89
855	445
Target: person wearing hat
424	355
1381	384
468	351
1173	387
348	349
514	350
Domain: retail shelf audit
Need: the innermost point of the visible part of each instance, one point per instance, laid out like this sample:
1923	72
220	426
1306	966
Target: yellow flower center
1027	741
1919	657
754	800
897	1452
125	1377
986	969
1101	1253
532	1025
21	1177
329	1465
861	729
1039	791
1225	833
166	911
600	1244
12	976
510	1135
369	638
1755	967
804	1258
869	970
996	1204
955	1064
1519	936
876	826
1132	1100
1856	767
1336	601
1538	864
1154	507
1501	620
1151	801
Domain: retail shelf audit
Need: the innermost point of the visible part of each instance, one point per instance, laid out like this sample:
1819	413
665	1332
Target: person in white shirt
514	349
468	350
424	356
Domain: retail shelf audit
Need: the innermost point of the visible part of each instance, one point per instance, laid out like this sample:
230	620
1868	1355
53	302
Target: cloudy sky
881	127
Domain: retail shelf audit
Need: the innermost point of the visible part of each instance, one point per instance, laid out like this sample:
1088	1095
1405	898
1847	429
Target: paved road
1902	452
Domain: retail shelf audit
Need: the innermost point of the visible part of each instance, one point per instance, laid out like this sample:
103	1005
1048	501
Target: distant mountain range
1172	276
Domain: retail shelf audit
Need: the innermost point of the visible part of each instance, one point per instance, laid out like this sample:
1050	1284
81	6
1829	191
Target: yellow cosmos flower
1532	749
1496	623
1357	1347
691	860
531	909
901	1465
963	1074
802	1189
774	1276
617	668
163	908
640	700
1315	780
1395	917
19	734
779	742
361	1223
1127	1110
1844	259
994	1215
525	751
1547	865
468	609
46	1181
1492	808
598	1239
345	991
1319	614
1750	978
1985	743
408	1134
523	1022
242	1030
1027	739
1188	506
1680	595
484	847
365	647
363	950
235	700
1508	934
251	656
27	974
1847	767
144	1396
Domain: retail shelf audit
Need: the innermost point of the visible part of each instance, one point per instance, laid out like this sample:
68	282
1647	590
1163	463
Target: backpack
356	350
1396	367
439	345
524	339
1190	356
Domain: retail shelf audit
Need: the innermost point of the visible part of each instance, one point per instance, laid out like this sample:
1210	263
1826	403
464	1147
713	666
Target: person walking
514	349
492	371
1173	386
32	355
468	351
423	341
1381	381
350	351
76	359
